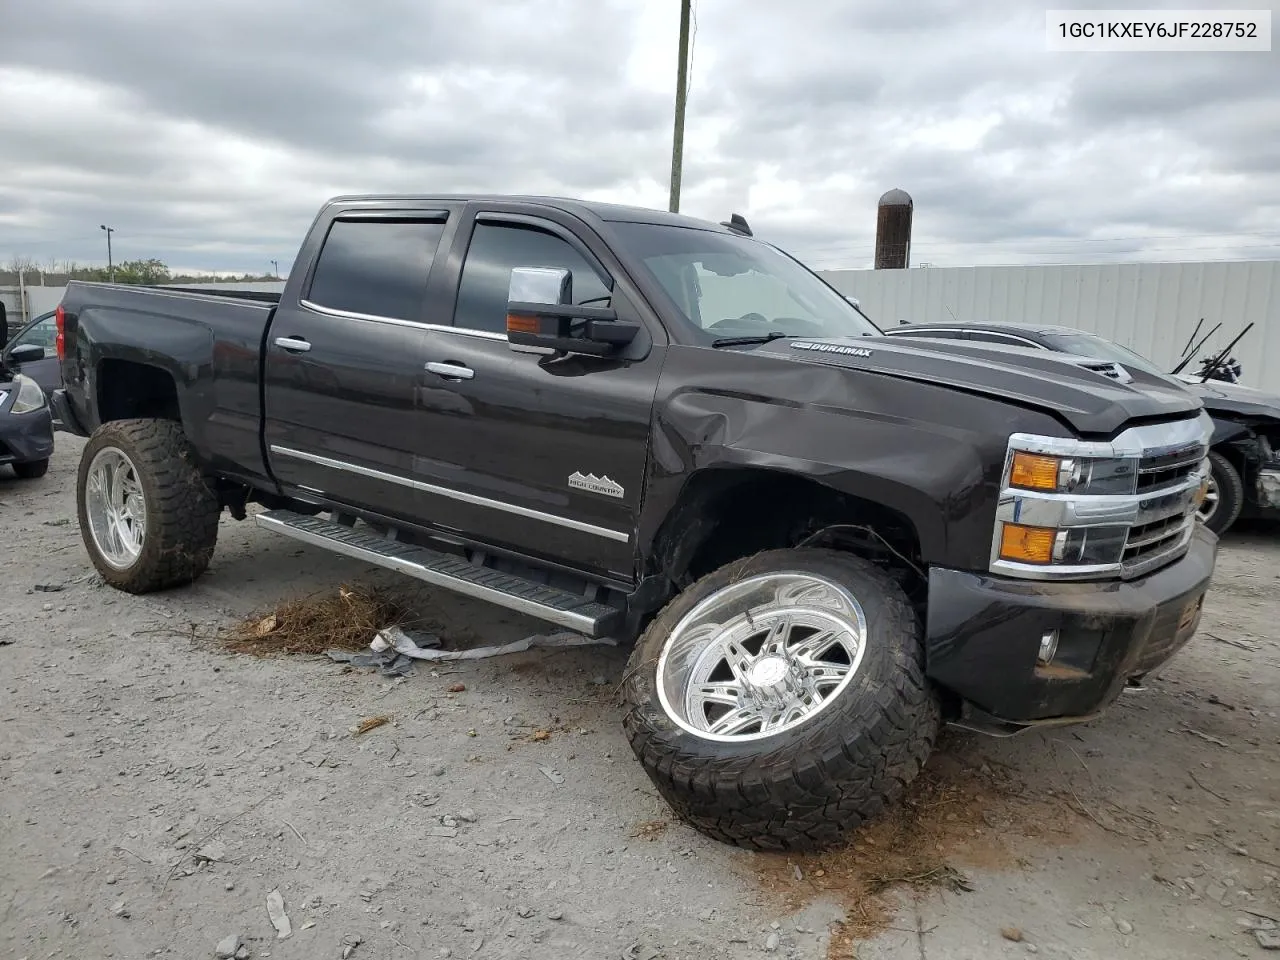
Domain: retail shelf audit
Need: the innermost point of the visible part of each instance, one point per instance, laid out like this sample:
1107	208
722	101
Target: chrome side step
557	606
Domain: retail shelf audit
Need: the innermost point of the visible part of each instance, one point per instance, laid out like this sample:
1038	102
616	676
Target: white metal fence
1150	308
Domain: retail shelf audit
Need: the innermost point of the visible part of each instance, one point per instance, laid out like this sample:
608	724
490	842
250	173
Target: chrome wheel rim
1209	505
116	507
761	657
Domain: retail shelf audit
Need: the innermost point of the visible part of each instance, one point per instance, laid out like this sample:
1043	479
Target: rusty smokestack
893	231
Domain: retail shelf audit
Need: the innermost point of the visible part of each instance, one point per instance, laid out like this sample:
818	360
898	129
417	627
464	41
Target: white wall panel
1148	307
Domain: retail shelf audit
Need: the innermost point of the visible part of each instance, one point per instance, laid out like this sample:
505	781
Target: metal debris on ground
279	919
406	645
388	662
553	775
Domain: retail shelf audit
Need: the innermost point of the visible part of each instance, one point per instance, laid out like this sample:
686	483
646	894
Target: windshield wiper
743	341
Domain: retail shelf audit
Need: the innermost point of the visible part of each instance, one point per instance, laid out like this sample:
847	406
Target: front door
344	363
540	454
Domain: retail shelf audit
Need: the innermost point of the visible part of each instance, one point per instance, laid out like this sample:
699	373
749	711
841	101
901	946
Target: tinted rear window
377	267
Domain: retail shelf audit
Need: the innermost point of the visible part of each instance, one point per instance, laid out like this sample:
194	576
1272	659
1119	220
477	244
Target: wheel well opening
127	390
726	515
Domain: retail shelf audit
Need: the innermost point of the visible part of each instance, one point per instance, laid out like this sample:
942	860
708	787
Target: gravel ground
155	790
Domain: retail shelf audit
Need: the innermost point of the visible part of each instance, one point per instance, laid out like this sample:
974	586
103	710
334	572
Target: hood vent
1107	368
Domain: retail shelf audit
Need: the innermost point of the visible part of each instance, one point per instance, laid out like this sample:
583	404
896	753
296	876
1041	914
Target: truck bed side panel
209	345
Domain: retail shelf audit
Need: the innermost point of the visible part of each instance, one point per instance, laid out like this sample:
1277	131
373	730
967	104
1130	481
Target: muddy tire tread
820	781
182	510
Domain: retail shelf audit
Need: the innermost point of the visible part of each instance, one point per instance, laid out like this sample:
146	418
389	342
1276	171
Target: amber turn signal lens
519	324
1027	544
1034	472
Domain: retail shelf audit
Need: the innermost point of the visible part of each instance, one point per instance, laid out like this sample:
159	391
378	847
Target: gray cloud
208	137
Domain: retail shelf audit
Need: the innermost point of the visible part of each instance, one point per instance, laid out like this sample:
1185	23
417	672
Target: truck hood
1232	398
1088	402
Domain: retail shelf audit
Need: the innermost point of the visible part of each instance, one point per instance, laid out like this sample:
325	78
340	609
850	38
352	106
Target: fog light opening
1048	647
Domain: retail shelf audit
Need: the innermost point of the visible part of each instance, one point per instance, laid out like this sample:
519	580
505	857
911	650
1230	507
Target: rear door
544	455
344	360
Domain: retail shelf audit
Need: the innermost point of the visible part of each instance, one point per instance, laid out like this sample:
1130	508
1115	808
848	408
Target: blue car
26	423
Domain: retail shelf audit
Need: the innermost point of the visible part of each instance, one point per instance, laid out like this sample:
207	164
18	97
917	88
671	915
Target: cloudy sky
207	134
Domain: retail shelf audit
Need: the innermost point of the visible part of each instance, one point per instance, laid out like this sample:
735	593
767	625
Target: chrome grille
1157	472
1168	483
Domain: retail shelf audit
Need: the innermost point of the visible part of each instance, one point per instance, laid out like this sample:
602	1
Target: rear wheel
781	700
147	516
32	470
1225	497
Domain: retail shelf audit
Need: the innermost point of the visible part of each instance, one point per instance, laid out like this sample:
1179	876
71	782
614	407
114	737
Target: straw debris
346	620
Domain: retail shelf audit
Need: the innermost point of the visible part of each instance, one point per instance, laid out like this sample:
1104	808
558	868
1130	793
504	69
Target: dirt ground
155	789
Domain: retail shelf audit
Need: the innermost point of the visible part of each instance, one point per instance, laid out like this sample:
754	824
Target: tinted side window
378	267
495	250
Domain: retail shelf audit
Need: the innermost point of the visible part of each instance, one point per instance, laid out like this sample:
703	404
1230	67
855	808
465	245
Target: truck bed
210	341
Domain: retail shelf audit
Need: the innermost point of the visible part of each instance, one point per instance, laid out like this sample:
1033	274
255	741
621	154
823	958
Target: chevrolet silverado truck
824	542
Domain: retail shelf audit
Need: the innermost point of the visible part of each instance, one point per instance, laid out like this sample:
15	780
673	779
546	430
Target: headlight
1079	474
30	397
1087	509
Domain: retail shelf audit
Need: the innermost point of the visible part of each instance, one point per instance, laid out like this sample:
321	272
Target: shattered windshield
734	286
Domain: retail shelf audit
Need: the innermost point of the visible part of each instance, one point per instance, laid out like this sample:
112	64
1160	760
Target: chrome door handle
451	371
295	344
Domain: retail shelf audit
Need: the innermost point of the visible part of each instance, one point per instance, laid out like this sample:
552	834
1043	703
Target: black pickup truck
825	541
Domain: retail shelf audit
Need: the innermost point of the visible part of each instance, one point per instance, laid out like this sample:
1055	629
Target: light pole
111	267
682	87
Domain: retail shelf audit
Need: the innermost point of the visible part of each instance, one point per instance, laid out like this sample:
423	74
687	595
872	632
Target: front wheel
1225	497
147	516
781	700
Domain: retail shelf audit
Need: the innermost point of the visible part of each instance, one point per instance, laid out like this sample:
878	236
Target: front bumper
26	437
983	636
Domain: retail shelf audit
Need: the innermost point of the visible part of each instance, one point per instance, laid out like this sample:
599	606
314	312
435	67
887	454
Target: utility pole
111	267
682	87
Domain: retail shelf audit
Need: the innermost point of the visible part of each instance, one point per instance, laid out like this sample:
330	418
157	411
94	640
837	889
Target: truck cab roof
584	209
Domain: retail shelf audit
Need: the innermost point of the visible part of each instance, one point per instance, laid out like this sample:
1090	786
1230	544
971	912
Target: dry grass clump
346	620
